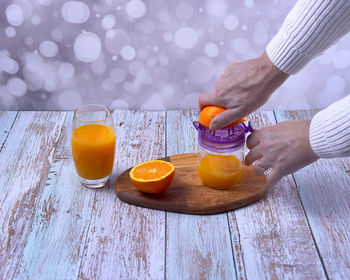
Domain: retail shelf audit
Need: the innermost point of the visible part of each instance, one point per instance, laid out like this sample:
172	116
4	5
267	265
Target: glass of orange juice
221	155
93	144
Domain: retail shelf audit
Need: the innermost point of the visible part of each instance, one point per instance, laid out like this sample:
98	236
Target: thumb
274	177
208	99
224	119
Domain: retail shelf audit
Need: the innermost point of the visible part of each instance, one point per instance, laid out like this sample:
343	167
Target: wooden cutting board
187	194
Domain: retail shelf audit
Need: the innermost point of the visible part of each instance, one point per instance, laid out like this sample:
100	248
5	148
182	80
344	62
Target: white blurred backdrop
150	55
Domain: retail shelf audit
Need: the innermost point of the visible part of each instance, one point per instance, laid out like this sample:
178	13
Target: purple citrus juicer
223	140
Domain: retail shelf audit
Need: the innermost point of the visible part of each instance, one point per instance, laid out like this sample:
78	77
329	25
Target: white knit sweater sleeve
330	130
309	28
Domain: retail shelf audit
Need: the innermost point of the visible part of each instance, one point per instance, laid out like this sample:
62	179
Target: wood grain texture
63	149
125	241
324	188
271	238
7	119
198	247
55	245
51	228
24	163
188	195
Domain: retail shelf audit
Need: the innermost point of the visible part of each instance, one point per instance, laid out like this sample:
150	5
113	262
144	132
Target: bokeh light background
149	55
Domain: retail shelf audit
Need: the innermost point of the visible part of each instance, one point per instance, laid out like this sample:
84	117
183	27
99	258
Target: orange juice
93	148
220	171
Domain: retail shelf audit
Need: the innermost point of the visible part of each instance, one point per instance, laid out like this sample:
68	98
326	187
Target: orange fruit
152	176
210	112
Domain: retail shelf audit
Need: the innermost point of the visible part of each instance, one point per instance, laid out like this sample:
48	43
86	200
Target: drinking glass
93	144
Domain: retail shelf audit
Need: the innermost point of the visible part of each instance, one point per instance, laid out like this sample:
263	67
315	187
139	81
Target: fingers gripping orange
210	112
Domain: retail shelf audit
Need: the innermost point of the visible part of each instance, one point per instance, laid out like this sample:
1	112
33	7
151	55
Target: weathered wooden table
52	228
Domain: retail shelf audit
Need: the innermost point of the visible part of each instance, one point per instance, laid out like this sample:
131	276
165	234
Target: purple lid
222	140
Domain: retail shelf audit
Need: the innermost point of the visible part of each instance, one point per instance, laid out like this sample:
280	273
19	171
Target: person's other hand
243	88
284	148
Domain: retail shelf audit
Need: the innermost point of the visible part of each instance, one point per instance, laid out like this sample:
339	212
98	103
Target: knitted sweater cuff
330	130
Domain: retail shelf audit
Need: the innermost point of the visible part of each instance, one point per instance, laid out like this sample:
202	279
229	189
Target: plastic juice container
221	154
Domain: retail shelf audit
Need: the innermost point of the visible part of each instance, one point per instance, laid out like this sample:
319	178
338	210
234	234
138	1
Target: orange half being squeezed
208	113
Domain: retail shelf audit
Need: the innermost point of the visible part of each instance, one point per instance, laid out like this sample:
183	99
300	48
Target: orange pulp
152	176
93	148
220	171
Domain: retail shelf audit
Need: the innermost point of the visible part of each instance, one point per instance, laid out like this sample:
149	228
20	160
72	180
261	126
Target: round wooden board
187	194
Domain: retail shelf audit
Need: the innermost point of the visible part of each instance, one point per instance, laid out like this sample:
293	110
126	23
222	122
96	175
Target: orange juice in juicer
221	154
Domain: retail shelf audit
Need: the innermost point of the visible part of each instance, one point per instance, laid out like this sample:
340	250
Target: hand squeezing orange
210	112
152	176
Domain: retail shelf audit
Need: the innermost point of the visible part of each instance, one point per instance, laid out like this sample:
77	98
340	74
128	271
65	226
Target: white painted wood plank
7	119
271	238
24	164
63	149
198	247
324	188
55	244
125	241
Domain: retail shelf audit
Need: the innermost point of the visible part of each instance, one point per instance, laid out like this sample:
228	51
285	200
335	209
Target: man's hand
243	88
284	148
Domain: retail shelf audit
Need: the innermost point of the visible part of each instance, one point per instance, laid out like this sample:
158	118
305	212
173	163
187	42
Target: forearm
309	28
330	130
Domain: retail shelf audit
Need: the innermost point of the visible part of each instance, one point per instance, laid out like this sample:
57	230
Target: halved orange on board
208	113
152	176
